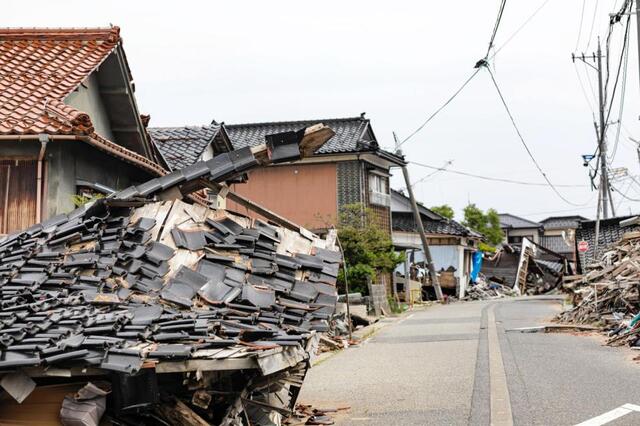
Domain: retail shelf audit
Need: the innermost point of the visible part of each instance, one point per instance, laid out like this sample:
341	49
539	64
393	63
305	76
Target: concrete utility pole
602	143
425	245
604	190
638	29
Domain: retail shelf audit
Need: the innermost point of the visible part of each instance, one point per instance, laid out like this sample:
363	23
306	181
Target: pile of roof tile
130	286
610	293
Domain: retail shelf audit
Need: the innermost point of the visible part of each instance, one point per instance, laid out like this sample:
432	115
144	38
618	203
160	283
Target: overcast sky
248	61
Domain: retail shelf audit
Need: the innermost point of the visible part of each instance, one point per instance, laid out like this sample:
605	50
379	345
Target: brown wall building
350	168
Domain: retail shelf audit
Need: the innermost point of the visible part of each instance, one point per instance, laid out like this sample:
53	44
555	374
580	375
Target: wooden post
425	245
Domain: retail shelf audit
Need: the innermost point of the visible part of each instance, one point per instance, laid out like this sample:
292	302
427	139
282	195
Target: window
379	190
518	239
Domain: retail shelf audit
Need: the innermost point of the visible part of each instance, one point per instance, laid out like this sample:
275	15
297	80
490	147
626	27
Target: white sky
246	61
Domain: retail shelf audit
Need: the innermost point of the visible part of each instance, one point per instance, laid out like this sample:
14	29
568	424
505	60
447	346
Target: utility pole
604	187
423	237
638	30
602	143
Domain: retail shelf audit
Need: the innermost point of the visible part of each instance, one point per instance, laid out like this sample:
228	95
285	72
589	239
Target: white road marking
612	415
501	414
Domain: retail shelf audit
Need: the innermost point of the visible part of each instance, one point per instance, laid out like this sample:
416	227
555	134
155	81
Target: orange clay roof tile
39	68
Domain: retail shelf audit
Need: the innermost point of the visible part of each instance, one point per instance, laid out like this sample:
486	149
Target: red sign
583	246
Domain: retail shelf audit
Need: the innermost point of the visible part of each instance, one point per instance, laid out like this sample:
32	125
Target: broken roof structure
165	299
610	232
183	146
352	134
45	84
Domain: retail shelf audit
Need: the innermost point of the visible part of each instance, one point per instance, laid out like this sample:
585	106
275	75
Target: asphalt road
433	368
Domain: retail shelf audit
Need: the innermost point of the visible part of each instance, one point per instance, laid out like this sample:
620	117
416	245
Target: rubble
305	414
486	289
190	315
608	295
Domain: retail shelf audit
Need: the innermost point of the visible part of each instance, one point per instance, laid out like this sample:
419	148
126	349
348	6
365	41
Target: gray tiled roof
183	146
555	243
562	222
610	233
400	203
402	218
353	134
508	220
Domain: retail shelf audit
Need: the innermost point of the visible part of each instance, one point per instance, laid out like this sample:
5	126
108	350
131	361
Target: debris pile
485	289
609	294
189	315
305	414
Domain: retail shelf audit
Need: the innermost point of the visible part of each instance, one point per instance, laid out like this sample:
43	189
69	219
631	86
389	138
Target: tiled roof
562	222
166	282
555	243
183	146
402	218
39	68
404	222
610	233
508	220
351	134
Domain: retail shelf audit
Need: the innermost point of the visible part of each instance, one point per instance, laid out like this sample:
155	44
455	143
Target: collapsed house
527	267
451	244
608	293
155	309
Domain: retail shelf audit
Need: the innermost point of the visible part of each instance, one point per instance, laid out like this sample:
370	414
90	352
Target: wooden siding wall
18	189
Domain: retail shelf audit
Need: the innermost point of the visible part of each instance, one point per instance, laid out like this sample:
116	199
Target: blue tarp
476	264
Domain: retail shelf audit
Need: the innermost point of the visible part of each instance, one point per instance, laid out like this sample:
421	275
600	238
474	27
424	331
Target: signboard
583	246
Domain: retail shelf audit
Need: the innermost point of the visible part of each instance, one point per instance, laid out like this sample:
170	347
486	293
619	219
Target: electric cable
584	3
515	33
490	178
437	170
593	21
626	197
443	106
475	72
535	162
503	3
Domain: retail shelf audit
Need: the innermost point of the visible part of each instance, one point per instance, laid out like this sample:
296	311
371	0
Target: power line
503	3
526	147
524	24
593	21
584	3
475	72
448	101
438	170
625	196
622	96
490	178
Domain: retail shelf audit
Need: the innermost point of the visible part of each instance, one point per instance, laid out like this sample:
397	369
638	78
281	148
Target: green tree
368	250
444	210
487	223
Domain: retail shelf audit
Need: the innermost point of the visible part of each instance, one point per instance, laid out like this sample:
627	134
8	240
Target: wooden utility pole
425	245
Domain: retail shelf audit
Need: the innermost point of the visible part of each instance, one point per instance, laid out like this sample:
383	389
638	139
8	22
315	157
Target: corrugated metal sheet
18	202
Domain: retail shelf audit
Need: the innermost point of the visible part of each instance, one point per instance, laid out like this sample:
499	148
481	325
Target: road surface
464	364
